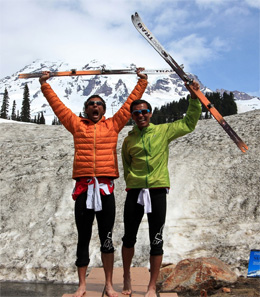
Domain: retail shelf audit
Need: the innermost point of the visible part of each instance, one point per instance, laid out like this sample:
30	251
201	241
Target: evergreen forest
173	111
168	113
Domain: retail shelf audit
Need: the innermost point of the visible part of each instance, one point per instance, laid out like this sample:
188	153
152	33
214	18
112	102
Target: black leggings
133	214
84	220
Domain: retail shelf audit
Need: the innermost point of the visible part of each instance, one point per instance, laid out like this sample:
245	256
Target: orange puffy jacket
95	143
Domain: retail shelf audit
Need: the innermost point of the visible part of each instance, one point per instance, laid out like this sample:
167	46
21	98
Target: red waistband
82	184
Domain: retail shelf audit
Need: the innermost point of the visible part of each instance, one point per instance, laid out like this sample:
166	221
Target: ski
146	33
101	71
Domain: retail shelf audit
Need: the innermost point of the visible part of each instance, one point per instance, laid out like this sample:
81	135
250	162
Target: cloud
217	4
253	3
74	31
190	51
195	32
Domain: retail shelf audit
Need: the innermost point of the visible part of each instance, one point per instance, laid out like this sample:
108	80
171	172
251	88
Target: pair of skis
146	33
101	71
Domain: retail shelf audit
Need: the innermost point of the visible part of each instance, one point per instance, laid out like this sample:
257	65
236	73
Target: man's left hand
140	74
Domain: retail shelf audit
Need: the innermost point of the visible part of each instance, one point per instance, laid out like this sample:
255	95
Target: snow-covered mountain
73	91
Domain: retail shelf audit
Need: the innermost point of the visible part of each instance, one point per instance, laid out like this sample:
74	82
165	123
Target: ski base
102	71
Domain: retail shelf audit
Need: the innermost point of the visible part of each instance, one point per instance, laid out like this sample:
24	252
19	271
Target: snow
14	122
247	105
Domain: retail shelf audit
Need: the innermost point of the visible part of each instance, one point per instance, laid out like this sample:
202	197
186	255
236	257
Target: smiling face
94	109
142	119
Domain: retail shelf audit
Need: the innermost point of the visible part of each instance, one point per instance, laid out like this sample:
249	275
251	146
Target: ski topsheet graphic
101	71
146	33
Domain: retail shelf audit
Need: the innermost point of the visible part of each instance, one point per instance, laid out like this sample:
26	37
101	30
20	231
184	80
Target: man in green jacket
145	154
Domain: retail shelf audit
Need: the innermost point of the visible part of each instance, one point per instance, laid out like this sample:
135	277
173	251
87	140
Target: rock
199	274
226	290
164	273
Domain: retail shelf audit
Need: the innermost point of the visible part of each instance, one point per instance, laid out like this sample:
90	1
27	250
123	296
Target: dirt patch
243	287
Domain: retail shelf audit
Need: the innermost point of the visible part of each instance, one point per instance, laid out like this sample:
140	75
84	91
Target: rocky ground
244	287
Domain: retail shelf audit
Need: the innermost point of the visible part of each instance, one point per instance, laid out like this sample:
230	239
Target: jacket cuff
44	85
194	101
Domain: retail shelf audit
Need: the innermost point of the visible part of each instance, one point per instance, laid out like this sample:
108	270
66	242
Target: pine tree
229	105
18	117
216	99
5	105
56	121
155	116
183	106
25	112
13	115
170	112
42	119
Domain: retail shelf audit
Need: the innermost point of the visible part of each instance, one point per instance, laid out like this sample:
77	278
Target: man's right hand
196	87
45	76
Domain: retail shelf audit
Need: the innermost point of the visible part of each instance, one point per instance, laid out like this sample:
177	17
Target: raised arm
123	115
65	115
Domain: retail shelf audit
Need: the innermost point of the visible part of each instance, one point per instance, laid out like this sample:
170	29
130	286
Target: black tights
133	214
84	220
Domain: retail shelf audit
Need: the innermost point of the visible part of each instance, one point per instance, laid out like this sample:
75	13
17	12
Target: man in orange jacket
94	169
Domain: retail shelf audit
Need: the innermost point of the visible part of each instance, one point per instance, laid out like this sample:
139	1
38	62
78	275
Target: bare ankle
127	287
110	291
80	291
151	292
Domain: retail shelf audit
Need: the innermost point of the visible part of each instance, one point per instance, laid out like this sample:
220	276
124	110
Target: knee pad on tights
156	250
82	263
128	243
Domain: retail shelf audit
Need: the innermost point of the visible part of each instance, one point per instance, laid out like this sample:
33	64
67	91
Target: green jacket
145	152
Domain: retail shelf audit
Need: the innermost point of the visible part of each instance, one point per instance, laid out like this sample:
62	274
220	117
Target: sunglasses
91	103
140	111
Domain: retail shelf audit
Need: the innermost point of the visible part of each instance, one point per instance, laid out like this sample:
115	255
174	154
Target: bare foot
127	288
110	292
80	292
126	292
151	293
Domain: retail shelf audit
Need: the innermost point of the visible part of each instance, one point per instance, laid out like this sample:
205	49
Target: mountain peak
73	91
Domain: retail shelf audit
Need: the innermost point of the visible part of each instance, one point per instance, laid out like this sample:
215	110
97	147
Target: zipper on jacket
94	149
146	157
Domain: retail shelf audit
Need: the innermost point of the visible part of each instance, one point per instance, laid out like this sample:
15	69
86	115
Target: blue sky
218	40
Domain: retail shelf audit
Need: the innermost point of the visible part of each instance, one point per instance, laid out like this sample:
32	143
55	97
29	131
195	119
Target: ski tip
135	15
243	147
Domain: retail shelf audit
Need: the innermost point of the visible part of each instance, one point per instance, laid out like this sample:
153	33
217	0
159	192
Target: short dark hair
91	97
140	101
